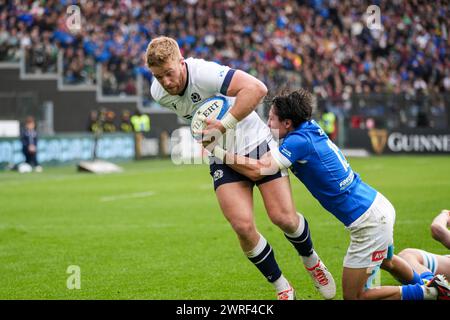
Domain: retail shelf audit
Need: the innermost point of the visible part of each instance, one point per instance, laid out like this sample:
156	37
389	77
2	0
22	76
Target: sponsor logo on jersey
218	174
286	152
379	255
347	181
195	97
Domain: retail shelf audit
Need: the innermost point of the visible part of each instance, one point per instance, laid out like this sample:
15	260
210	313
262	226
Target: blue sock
427	275
266	263
412	292
416	279
303	243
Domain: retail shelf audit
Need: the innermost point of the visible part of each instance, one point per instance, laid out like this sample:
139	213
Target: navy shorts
221	173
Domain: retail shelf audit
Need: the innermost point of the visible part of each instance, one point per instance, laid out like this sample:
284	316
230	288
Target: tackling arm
252	168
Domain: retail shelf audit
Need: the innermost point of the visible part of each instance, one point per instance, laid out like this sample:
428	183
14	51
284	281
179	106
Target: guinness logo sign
378	138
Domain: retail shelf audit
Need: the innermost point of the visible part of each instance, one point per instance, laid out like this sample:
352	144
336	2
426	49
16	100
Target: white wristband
219	153
229	121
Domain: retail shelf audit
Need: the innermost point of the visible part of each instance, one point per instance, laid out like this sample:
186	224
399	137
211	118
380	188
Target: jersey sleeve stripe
226	82
280	159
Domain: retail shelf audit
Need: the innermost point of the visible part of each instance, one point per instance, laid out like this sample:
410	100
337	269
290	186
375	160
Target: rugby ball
213	108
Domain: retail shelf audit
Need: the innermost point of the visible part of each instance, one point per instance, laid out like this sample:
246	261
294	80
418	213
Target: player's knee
363	295
405	253
285	221
387	264
436	231
244	229
355	295
286	218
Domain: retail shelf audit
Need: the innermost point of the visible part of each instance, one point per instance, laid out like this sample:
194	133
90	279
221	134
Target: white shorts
371	235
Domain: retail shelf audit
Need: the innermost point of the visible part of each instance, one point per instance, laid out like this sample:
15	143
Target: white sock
311	261
301	226
281	284
429	293
262	242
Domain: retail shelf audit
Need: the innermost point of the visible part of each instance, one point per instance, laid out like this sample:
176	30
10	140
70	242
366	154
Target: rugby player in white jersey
181	85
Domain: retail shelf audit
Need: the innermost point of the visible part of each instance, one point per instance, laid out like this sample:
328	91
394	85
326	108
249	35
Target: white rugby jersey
207	79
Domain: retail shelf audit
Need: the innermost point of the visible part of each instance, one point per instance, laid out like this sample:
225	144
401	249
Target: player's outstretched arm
439	228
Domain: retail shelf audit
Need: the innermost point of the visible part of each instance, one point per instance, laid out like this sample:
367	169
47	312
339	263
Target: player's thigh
371	236
236	201
353	282
443	265
414	257
277	197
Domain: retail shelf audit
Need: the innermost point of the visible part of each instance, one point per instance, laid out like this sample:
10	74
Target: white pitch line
127	196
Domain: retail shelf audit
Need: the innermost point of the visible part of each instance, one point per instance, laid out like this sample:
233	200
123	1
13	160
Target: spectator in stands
109	124
94	124
141	125
125	122
140	121
324	46
29	138
328	123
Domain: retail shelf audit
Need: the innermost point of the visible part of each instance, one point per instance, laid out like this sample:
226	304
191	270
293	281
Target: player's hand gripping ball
213	108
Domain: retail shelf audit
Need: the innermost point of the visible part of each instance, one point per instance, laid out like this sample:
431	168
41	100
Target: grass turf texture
156	231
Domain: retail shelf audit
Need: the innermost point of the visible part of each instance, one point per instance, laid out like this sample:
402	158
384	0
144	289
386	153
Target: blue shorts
221	173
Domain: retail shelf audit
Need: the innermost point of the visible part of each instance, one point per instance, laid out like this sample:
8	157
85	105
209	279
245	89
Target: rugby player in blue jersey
369	217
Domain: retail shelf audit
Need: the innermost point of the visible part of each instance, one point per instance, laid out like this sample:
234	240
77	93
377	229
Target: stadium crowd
325	43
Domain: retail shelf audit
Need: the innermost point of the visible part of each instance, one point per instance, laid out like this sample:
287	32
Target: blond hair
161	50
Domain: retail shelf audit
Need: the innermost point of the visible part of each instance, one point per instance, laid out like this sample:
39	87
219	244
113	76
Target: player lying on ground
182	85
425	265
322	168
439	228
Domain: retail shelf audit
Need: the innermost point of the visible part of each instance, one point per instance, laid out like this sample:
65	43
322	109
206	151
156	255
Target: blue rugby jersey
319	164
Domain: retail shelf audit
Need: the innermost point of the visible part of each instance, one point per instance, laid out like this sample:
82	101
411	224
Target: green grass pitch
155	231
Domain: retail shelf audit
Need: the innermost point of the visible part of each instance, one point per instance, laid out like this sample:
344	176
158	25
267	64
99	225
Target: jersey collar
303	125
187	81
299	127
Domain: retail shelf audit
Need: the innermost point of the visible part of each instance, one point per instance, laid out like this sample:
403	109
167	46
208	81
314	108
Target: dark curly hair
295	106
